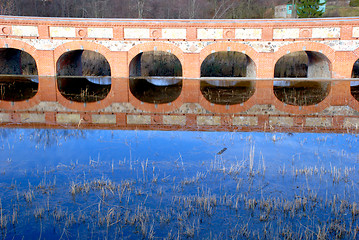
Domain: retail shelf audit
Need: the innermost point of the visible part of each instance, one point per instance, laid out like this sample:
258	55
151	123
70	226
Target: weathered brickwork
281	121
63	118
208	120
32	118
245	121
120	41
4	118
25	31
174	120
138	119
103	119
336	38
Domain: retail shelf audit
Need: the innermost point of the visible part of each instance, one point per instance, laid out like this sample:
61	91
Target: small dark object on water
222	151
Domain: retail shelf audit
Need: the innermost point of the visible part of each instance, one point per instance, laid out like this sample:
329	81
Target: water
101	184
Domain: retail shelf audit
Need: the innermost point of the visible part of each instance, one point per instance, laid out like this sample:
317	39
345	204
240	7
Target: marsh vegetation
301	93
178	185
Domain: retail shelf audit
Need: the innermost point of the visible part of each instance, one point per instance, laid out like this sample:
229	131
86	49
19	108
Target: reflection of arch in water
156	77
225	92
83	76
301	93
18	75
354	89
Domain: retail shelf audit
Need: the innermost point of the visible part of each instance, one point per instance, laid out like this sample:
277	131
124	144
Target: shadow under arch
156	76
155	46
316	50
90	82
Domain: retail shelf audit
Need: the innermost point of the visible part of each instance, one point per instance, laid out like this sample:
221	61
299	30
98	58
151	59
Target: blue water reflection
188	184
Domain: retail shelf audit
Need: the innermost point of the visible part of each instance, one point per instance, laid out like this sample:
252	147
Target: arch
89	46
22	46
155	46
228	64
27	48
82	63
155	64
15	63
85	45
313	47
354	60
230	46
134	55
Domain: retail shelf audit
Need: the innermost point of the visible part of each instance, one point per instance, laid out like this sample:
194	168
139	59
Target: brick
281	121
138	119
209	33
100	32
208	121
351	123
103	119
245	121
174	120
65	32
64	118
25	31
174	33
248	33
32	118
318	122
4	117
137	33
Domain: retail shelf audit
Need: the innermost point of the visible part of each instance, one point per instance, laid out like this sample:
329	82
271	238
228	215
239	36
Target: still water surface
101	184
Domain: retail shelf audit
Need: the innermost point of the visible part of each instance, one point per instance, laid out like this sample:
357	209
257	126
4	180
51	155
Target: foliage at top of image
154	9
309	8
354	3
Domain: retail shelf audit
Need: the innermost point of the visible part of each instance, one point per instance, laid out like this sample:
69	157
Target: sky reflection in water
179	165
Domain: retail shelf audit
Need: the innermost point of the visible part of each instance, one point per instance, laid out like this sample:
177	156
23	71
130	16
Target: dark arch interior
303	64
83	76
18	75
301	93
155	77
228	64
354	89
354	85
227	91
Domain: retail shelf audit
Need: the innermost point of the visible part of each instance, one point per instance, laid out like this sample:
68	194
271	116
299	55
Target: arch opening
302	64
227	64
156	77
301	93
354	85
19	79
83	76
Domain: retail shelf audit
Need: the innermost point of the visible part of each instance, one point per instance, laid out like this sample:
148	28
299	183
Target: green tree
354	3
309	8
